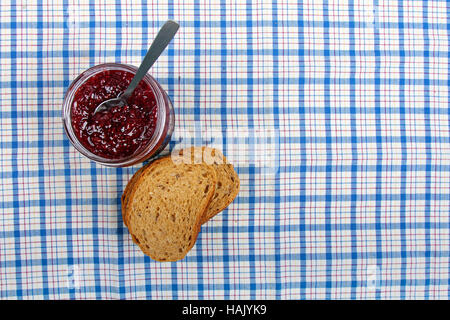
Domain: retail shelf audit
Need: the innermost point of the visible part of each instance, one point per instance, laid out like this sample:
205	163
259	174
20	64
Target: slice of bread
227	186
165	205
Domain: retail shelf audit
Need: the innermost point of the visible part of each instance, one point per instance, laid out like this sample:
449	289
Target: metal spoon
163	38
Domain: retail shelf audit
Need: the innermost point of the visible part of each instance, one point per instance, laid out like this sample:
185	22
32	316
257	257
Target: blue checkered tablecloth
336	114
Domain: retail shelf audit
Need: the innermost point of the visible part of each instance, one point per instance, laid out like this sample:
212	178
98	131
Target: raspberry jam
118	132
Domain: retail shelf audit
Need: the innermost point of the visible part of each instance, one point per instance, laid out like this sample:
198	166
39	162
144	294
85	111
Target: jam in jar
122	135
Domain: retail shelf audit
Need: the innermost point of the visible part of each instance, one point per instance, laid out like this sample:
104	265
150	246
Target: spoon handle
163	38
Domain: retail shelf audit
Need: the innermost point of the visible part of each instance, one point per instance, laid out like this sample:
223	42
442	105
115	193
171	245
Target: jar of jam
123	135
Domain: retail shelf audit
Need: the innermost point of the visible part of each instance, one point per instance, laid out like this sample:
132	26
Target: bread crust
127	190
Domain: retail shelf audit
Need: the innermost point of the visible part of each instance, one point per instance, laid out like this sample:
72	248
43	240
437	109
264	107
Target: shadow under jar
120	136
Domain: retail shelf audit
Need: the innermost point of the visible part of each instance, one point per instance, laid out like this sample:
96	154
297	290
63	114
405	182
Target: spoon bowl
111	103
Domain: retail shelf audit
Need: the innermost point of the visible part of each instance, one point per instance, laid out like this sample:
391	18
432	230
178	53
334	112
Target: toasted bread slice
165	206
228	183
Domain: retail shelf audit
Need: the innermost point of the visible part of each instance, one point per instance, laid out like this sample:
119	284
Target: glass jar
164	123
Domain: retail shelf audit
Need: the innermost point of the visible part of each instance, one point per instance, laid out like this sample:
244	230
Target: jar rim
143	153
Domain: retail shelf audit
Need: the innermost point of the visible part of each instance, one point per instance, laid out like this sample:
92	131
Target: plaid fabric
337	117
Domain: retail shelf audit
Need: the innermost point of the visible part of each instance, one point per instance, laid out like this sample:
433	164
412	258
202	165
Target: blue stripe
224	124
329	158
416	53
268	199
379	146
170	91
14	162
41	147
428	141
266	80
197	112
276	119
240	258
2	176
266	286
354	134
404	155
230	23
121	231
146	44
448	114
66	149
251	179
243	229
93	166
302	169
